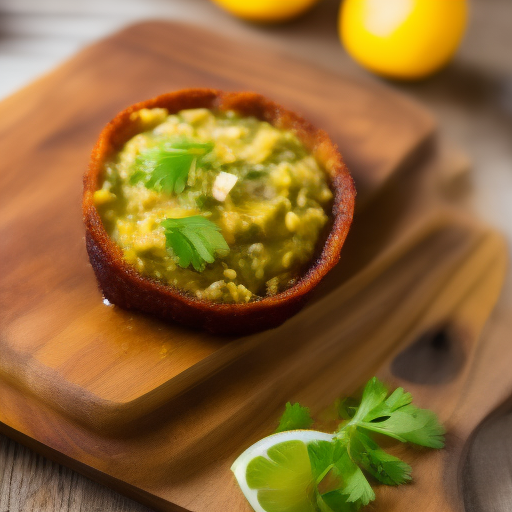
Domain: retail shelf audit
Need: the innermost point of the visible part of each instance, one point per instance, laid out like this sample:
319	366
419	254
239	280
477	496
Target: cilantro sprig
194	240
295	417
166	166
395	416
340	466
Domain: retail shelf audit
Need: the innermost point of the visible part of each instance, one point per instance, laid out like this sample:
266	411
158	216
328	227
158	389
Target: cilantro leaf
295	417
339	480
335	502
356	487
384	467
410	424
194	240
396	417
399	398
166	166
322	456
373	395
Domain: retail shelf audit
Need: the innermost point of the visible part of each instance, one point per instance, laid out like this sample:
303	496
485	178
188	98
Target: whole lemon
266	11
404	39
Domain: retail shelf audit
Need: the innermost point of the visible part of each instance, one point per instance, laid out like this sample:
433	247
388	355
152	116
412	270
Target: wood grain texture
110	365
32	483
422	267
181	454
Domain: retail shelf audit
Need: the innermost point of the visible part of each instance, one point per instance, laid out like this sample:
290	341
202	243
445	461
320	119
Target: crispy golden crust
124	286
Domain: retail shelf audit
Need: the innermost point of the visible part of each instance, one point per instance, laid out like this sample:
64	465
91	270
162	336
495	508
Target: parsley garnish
165	167
339	466
340	483
195	240
395	416
295	417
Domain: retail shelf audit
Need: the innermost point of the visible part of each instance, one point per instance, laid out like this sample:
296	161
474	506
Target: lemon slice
275	473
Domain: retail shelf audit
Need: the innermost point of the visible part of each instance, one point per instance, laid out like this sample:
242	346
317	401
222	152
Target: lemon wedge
275	473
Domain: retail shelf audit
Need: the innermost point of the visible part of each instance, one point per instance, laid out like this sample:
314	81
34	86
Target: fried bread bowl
122	285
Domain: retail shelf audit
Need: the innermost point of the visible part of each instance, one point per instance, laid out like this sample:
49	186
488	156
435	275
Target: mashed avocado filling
223	207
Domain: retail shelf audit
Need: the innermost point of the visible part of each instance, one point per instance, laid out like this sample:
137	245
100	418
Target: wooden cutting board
158	411
109	365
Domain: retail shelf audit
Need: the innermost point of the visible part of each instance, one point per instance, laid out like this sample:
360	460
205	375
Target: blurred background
471	97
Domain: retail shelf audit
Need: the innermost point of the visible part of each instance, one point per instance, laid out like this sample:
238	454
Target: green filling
273	218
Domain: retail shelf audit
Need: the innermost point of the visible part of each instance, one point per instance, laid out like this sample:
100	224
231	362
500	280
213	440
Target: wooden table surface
472	98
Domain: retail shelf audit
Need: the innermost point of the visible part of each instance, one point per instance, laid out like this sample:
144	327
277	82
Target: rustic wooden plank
32	483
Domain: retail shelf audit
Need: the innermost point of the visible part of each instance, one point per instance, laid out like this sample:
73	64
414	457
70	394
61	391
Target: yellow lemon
405	39
266	11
